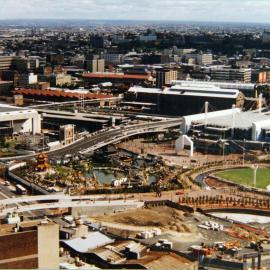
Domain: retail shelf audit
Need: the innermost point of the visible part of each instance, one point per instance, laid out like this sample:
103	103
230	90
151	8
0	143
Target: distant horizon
131	20
236	11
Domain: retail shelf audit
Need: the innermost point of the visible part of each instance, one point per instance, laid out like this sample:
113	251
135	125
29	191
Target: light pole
244	152
255	168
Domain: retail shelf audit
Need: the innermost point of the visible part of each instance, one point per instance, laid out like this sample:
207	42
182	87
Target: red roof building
57	95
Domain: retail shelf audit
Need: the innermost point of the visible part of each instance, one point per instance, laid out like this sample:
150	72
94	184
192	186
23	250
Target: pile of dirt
162	217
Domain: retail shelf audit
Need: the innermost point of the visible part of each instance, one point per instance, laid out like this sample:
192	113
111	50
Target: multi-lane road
105	137
108	136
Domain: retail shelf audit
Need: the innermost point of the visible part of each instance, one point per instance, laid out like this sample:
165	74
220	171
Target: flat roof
91	241
145	90
229	85
196	90
109	75
242	120
203	90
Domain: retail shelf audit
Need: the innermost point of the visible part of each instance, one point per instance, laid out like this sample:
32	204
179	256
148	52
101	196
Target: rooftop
187	90
109	75
59	93
226	85
91	241
114	252
242	120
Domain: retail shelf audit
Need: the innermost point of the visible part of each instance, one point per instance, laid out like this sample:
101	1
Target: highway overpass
77	102
102	138
105	137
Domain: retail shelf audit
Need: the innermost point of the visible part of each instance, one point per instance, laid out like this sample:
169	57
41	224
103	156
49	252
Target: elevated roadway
77	102
105	137
59	197
37	203
102	138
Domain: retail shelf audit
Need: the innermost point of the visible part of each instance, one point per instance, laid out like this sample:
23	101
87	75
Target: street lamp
244	148
255	168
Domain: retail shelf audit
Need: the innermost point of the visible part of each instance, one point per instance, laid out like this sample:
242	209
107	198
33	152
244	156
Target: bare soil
163	217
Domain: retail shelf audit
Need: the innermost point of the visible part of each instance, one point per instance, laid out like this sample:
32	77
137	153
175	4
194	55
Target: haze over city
178	10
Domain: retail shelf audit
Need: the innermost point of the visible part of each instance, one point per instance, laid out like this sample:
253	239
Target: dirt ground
167	152
165	218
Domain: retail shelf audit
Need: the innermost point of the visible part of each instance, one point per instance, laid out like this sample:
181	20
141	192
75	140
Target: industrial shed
184	100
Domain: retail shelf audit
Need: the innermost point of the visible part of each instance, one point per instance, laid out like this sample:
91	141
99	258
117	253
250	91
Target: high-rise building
165	76
94	64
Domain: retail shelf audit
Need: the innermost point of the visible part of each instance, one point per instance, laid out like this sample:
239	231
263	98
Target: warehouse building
187	99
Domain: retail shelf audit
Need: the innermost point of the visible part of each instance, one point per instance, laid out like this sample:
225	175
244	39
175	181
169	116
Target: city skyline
176	10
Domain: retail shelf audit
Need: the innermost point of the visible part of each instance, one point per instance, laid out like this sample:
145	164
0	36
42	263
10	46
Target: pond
105	176
152	178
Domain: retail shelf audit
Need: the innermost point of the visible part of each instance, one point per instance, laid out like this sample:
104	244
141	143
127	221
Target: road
108	135
68	204
6	195
118	132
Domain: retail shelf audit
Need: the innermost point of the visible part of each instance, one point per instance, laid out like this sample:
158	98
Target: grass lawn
245	176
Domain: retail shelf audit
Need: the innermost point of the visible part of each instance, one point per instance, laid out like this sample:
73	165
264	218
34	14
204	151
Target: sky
178	10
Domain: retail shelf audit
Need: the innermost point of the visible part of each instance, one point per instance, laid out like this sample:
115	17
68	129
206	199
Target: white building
255	125
201	59
205	59
21	120
246	88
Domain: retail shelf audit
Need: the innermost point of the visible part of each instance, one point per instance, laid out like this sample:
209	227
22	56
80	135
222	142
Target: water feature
105	176
152	178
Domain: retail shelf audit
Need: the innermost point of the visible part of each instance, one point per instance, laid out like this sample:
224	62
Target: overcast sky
182	10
